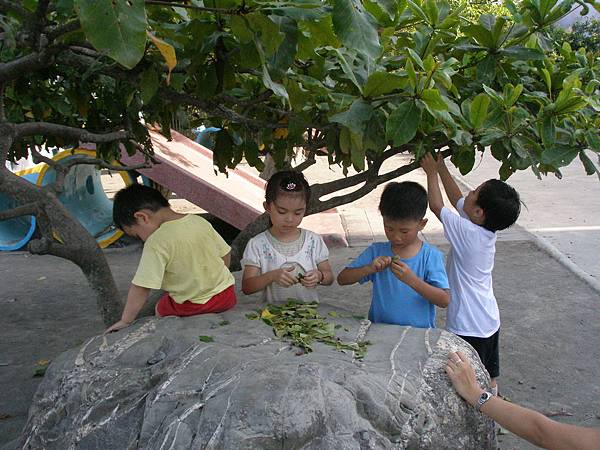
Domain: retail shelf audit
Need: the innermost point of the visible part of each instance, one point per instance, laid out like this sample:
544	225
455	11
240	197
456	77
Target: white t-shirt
260	252
473	310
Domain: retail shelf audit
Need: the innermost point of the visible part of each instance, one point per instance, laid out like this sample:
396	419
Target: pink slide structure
186	168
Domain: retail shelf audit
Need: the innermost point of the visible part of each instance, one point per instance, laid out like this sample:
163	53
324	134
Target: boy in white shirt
473	312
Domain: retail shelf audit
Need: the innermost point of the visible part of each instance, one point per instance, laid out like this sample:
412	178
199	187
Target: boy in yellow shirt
183	255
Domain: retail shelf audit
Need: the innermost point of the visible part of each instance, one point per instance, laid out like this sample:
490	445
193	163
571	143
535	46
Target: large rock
157	386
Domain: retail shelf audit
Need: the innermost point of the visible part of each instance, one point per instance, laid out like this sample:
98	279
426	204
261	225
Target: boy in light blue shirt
408	275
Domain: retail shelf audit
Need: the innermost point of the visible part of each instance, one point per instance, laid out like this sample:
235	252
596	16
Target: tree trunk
76	244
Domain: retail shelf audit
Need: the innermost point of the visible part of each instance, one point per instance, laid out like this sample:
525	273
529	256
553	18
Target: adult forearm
450	186
136	298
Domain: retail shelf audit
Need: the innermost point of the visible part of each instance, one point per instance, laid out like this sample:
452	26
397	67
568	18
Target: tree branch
229	11
26	64
216	109
29	209
7	6
52	129
68	27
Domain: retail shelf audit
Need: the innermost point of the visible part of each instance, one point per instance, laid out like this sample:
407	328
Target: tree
360	81
583	34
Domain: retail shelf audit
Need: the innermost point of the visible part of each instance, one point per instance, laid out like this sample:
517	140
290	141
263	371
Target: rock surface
155	385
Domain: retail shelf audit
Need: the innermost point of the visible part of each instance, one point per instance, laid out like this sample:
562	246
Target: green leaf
115	27
492	93
589	166
479	110
222	323
513	93
548	131
355	27
522	53
593	140
204	338
357	151
547	80
266	30
356	117
410	71
149	85
559	156
464	159
239	28
380	83
416	58
434	100
402	124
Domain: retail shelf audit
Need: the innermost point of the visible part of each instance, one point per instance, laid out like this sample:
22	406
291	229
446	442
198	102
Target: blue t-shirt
392	300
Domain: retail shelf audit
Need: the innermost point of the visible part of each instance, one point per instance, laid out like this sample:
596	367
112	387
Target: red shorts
220	302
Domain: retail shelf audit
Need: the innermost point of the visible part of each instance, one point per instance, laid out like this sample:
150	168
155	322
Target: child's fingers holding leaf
310	279
401	270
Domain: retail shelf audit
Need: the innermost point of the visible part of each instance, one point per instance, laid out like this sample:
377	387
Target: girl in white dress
286	262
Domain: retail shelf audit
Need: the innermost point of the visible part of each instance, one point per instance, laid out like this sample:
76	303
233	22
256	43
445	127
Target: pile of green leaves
301	324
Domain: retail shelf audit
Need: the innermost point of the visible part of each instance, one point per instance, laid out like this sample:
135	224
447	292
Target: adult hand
380	263
284	277
311	278
401	270
463	378
117	326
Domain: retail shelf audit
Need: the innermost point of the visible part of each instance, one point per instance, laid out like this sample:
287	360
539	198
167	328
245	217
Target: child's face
286	212
471	208
402	233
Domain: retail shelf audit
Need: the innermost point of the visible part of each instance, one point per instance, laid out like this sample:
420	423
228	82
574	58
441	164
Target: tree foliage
583	34
357	80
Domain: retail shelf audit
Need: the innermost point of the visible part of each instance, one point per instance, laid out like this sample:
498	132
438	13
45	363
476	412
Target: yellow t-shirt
184	258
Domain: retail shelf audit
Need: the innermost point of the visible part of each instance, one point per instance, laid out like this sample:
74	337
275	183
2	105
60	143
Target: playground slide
186	168
83	196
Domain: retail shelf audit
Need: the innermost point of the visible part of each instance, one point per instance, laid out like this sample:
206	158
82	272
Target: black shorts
488	350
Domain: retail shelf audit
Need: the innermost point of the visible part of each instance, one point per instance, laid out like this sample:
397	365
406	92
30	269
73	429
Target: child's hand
402	271
429	164
381	263
283	277
311	278
117	326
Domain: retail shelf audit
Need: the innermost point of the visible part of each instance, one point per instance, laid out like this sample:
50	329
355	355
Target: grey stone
247	389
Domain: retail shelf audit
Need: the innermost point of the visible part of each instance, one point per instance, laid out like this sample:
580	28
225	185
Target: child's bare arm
434	194
136	299
328	277
321	275
450	186
253	281
352	275
227	259
438	296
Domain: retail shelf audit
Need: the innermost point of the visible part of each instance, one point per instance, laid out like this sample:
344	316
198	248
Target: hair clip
290	186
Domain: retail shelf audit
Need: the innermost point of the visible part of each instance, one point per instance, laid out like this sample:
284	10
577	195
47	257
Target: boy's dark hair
287	182
500	203
134	198
401	201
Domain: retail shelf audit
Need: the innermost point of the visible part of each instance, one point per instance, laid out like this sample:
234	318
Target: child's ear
479	214
141	217
422	224
267	206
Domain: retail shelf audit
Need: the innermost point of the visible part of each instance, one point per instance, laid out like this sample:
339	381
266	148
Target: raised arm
434	194
450	186
526	423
